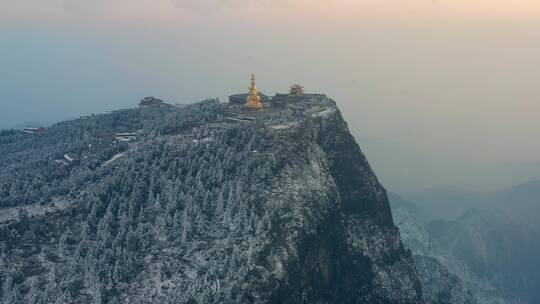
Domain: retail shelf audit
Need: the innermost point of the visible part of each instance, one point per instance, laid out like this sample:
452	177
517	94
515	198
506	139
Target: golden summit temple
253	100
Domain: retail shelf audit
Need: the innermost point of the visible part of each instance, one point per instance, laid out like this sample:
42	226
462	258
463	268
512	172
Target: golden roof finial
253	100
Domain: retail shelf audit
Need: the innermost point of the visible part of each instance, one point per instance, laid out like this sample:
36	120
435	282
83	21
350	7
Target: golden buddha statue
253	100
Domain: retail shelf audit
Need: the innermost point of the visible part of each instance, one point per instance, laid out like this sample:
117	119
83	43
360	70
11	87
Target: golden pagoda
253	100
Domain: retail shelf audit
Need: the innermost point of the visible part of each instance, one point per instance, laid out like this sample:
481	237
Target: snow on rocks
115	157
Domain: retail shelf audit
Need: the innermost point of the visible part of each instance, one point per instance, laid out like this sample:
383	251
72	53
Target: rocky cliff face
210	204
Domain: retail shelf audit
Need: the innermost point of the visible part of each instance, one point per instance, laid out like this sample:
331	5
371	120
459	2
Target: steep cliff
209	204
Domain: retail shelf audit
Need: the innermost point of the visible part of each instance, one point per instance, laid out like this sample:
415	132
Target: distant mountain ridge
525	195
450	203
490	249
397	201
445	202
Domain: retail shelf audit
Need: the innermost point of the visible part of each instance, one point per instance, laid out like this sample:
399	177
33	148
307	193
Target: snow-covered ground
324	113
280	126
13	213
115	157
68	158
203	140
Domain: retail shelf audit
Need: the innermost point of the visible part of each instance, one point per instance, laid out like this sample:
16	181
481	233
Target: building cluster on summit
254	100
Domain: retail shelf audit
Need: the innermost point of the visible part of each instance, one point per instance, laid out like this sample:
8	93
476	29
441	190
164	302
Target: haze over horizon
439	93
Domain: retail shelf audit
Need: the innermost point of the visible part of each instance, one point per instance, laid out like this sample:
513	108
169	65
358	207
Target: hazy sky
438	92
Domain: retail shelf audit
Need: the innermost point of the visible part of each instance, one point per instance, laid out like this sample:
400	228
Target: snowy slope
257	214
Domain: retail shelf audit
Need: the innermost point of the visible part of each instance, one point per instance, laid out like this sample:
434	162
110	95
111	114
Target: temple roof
241	98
